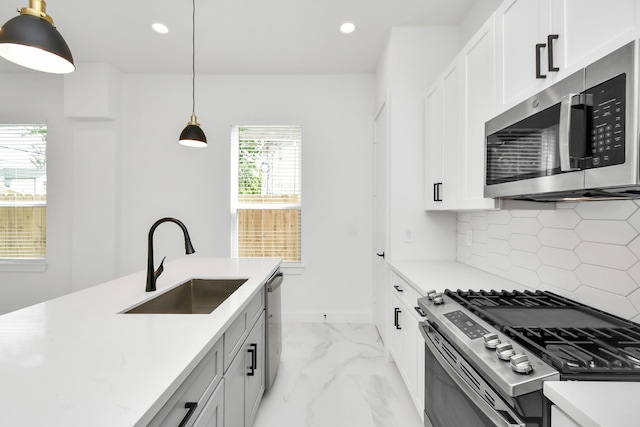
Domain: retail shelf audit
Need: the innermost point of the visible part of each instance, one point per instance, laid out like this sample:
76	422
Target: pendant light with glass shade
192	135
31	40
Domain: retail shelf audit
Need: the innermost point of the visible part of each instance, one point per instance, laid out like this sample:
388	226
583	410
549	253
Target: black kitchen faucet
151	274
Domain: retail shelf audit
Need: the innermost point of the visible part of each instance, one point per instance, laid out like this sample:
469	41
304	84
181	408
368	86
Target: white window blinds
267	194
23	191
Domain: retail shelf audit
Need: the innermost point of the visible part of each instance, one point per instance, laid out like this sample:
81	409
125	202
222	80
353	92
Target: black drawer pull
191	406
254	359
398	288
420	311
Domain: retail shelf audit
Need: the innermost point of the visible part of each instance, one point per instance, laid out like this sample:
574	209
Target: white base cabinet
406	345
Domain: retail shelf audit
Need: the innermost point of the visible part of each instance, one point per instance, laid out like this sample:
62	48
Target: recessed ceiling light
347	28
160	28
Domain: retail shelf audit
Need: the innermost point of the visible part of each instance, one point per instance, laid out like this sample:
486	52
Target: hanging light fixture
192	135
31	40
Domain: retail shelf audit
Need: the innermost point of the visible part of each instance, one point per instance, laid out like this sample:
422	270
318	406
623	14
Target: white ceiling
237	36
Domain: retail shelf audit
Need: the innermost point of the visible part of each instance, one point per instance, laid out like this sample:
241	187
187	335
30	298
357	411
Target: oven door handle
480	403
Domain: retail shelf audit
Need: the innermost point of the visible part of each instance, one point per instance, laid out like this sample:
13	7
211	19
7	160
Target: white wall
142	174
37	97
414	57
476	16
161	178
587	251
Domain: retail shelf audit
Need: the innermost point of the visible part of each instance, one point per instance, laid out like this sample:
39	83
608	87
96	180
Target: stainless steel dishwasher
274	326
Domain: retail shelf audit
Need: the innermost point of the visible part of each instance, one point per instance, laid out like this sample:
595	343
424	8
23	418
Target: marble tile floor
336	375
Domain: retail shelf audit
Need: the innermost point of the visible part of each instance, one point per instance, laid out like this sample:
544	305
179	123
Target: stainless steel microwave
578	139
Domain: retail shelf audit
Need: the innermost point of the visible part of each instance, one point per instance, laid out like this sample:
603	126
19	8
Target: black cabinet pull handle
539	47
396	323
550	39
420	311
191	406
381	255
436	192
398	288
254	359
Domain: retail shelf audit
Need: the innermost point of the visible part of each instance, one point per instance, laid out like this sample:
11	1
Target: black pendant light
31	40
192	135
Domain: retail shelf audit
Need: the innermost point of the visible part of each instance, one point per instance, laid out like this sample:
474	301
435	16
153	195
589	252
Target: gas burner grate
577	351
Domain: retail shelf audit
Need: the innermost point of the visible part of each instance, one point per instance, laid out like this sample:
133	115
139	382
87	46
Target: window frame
289	267
16	264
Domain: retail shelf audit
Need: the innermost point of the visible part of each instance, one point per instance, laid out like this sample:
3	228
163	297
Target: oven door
450	399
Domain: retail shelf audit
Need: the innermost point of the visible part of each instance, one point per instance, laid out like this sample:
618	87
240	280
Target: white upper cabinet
589	29
457	106
479	105
433	146
443	137
521	25
542	41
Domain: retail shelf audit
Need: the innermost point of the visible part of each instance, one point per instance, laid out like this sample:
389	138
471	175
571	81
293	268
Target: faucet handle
160	268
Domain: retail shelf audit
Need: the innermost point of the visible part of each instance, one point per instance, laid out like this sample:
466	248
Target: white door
380	272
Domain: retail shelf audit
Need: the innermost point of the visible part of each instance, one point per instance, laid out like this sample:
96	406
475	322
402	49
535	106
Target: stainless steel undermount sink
196	296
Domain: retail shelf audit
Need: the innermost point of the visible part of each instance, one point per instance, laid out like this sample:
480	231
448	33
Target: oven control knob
491	340
505	351
431	293
520	363
437	298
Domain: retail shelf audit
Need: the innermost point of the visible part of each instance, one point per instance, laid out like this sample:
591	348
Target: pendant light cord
193	60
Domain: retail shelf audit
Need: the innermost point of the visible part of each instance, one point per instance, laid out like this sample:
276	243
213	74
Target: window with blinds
266	191
23	191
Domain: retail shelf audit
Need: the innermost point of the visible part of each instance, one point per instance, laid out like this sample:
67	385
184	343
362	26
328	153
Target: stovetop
581	342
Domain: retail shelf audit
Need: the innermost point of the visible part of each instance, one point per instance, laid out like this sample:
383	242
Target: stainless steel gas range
489	352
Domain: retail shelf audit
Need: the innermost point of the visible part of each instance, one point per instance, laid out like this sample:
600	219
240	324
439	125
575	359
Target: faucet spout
151	274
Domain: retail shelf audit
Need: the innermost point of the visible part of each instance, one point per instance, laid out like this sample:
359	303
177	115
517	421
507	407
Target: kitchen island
78	361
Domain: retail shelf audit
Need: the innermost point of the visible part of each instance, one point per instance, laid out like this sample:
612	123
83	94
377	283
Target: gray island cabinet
226	387
82	361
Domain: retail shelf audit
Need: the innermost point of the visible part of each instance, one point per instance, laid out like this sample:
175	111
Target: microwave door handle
564	132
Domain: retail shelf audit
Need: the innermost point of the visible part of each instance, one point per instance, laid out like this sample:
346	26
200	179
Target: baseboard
327	317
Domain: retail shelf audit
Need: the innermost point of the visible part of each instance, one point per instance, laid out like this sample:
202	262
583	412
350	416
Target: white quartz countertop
76	361
441	275
596	404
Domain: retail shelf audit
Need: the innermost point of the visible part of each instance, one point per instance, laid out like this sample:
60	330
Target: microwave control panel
607	104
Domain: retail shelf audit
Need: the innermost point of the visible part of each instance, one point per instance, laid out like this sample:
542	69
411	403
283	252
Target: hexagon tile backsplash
587	251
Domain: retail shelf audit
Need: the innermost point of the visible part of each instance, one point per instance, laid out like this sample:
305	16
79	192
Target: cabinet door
520	25
255	374
410	353
212	414
478	62
433	146
395	334
451	133
590	29
420	344
234	391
